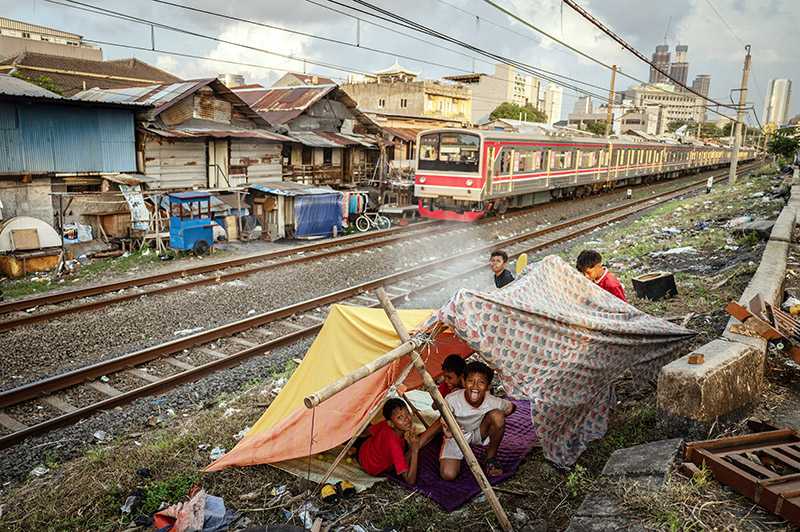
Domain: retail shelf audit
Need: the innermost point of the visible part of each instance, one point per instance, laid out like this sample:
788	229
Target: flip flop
493	463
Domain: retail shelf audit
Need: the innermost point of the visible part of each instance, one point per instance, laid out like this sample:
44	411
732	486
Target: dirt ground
161	465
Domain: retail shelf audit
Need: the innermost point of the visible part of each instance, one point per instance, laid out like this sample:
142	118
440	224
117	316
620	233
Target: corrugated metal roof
218	132
279	105
404	133
310	138
11	86
289	188
329	139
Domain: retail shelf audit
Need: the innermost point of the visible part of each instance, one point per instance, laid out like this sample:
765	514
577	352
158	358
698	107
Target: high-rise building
679	69
18	37
553	95
702	84
661	60
776	106
673	105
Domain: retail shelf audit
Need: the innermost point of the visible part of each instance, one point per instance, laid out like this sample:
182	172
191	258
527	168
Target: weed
410	515
286	372
578	481
170	490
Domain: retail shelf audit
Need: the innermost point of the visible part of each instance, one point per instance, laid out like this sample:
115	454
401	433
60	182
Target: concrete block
649	462
728	380
762	228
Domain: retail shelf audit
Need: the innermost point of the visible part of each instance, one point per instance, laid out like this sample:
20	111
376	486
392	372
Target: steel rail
59	382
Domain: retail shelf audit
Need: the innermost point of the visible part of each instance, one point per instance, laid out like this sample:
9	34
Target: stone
761	228
592	524
651	461
599	505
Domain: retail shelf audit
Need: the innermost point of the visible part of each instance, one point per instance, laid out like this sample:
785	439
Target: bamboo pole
447	415
414	409
367	369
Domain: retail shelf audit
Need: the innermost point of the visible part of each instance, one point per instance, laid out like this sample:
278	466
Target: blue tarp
315	215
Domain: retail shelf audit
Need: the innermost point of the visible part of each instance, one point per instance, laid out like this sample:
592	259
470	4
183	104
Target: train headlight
468	182
422	179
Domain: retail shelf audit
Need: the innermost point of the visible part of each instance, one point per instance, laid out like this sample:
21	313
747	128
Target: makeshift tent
561	341
350	337
554	337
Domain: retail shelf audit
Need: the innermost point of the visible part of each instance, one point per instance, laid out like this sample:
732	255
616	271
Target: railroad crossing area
244	377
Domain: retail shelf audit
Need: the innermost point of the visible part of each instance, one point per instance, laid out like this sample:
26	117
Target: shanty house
49	144
334	141
199	134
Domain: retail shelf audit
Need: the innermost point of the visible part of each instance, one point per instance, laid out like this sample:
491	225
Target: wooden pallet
764	467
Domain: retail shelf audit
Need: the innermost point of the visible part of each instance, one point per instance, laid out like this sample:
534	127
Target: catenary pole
737	142
611	97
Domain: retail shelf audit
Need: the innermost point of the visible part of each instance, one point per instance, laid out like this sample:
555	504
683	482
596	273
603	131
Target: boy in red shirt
590	264
385	448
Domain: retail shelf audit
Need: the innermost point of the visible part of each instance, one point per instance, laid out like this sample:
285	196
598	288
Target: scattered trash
101	435
104	379
203	446
201	512
701	226
170	412
186	332
731	248
129	502
250	496
306	514
733	222
277	491
671	230
520	516
756	194
230	411
251	312
217	453
40	471
790	302
674	251
239	435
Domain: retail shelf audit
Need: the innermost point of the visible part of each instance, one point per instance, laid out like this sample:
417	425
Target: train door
490	169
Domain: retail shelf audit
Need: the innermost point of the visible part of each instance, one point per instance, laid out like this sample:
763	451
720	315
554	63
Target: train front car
449	181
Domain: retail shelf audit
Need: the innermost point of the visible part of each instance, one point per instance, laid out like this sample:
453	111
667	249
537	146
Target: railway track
65	398
35	309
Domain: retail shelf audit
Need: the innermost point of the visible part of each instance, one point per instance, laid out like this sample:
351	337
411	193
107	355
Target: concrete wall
27	199
11	46
692	398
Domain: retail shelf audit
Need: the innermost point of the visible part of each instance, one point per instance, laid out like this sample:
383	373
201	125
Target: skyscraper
679	69
776	106
701	84
661	60
553	95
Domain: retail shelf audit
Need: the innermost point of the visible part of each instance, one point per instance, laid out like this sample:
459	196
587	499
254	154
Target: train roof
487	134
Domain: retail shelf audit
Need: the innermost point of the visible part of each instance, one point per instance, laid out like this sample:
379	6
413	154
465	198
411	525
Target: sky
715	31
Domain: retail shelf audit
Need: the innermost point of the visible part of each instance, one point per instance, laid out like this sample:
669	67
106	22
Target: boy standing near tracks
590	264
498	261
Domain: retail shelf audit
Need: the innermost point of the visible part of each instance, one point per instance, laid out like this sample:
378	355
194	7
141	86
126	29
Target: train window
561	160
528	161
455	152
603	157
503	165
588	159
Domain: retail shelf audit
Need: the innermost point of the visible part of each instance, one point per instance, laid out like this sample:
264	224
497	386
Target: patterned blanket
561	341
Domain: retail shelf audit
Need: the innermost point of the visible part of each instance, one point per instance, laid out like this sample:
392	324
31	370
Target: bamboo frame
447	414
364	371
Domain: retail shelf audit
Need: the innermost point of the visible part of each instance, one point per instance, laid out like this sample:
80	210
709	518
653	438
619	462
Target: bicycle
372	220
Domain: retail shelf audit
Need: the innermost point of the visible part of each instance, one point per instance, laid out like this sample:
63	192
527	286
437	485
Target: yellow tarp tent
349	338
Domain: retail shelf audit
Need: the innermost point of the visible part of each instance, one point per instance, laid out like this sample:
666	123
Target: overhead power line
605	29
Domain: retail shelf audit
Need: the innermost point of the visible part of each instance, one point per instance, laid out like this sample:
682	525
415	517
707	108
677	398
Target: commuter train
465	174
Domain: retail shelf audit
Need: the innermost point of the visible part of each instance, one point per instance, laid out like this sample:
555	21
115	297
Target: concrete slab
600	505
761	228
608	524
728	380
648	460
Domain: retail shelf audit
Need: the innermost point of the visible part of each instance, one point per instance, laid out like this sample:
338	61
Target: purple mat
519	439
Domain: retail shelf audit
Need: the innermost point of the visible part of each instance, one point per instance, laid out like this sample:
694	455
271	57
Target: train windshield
453	152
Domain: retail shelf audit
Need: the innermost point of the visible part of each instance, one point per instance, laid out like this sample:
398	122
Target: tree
727	129
783	146
597	127
527	113
42	81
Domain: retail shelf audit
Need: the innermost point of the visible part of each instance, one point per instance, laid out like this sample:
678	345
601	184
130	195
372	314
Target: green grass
170	490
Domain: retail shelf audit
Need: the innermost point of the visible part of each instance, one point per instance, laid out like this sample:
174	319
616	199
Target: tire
384	223
200	248
363	224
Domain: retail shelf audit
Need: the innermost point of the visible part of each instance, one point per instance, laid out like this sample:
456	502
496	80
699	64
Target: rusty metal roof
404	133
281	105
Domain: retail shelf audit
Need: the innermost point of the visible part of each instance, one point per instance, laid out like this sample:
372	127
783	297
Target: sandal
493	464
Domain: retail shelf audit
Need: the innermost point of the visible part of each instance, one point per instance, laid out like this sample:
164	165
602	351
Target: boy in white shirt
482	418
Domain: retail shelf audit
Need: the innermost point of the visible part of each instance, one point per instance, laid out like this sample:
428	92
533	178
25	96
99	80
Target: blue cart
190	222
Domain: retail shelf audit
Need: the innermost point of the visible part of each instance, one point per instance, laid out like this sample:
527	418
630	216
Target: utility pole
611	97
737	142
